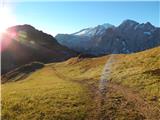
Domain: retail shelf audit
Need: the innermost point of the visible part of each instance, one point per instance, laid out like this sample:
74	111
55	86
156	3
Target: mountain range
23	44
130	36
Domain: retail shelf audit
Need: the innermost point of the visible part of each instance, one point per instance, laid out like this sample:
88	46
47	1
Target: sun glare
6	19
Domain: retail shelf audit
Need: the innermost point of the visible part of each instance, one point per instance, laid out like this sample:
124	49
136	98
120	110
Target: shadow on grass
21	72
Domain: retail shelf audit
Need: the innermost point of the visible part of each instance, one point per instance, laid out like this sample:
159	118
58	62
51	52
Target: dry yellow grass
70	90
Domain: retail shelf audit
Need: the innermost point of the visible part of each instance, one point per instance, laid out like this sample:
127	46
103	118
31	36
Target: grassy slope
43	95
141	71
69	90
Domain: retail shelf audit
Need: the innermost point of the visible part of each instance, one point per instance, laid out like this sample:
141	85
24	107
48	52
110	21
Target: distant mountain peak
129	20
25	26
98	30
148	24
128	23
81	32
107	25
132	23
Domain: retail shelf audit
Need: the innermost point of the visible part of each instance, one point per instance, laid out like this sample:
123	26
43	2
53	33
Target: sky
69	17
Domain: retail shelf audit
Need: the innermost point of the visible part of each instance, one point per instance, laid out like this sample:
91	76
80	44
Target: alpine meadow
94	60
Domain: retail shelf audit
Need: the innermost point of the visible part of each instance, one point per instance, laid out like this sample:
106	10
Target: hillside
128	37
23	44
72	89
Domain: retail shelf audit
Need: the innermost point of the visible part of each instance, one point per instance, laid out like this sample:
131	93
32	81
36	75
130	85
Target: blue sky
69	17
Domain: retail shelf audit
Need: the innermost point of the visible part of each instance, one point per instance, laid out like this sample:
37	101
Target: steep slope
23	44
70	90
130	36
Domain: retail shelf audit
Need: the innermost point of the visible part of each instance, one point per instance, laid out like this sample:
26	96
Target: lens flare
7	19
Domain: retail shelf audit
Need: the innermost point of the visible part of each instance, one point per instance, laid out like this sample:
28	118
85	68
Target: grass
141	71
44	96
68	90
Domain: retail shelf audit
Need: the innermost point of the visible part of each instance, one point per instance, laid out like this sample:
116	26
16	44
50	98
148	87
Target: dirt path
101	99
95	111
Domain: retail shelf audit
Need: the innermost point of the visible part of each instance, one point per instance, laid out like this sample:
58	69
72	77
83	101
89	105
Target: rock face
130	36
23	44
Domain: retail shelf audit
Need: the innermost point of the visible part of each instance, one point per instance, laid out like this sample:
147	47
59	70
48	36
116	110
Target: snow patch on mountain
98	30
147	33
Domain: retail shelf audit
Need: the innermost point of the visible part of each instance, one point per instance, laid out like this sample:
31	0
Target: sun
7	19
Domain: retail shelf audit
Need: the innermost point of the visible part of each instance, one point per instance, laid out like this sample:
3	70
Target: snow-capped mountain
130	36
80	41
98	30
